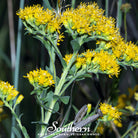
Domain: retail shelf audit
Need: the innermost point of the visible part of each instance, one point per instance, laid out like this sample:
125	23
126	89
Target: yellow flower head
109	112
131	52
80	61
136	96
117	123
19	99
68	57
100	128
40	78
89	108
82	18
7	91
1	110
88	56
107	63
35	13
1	103
39	16
130	108
122	101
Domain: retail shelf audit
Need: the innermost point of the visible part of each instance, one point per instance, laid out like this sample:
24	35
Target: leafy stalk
18	120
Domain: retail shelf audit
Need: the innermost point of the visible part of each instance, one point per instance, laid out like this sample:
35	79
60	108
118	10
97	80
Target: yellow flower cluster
89	19
130	108
131	52
8	92
121	50
107	62
36	14
110	112
100	128
136	96
102	61
68	57
83	18
123	99
40	78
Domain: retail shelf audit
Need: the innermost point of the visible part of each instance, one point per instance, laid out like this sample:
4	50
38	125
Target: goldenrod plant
10	98
108	54
85	23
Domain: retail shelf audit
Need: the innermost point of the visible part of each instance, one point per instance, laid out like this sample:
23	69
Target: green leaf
39	123
46	4
124	66
56	97
75	109
25	132
49	97
80	78
56	107
36	91
20	116
65	99
17	132
87	75
131	68
75	45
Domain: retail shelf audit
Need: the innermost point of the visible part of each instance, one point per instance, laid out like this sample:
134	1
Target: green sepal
123	66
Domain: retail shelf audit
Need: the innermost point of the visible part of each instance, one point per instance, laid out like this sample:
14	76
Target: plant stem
73	78
119	14
17	65
57	91
125	26
96	126
106	7
52	63
62	80
18	120
129	130
47	117
73	4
